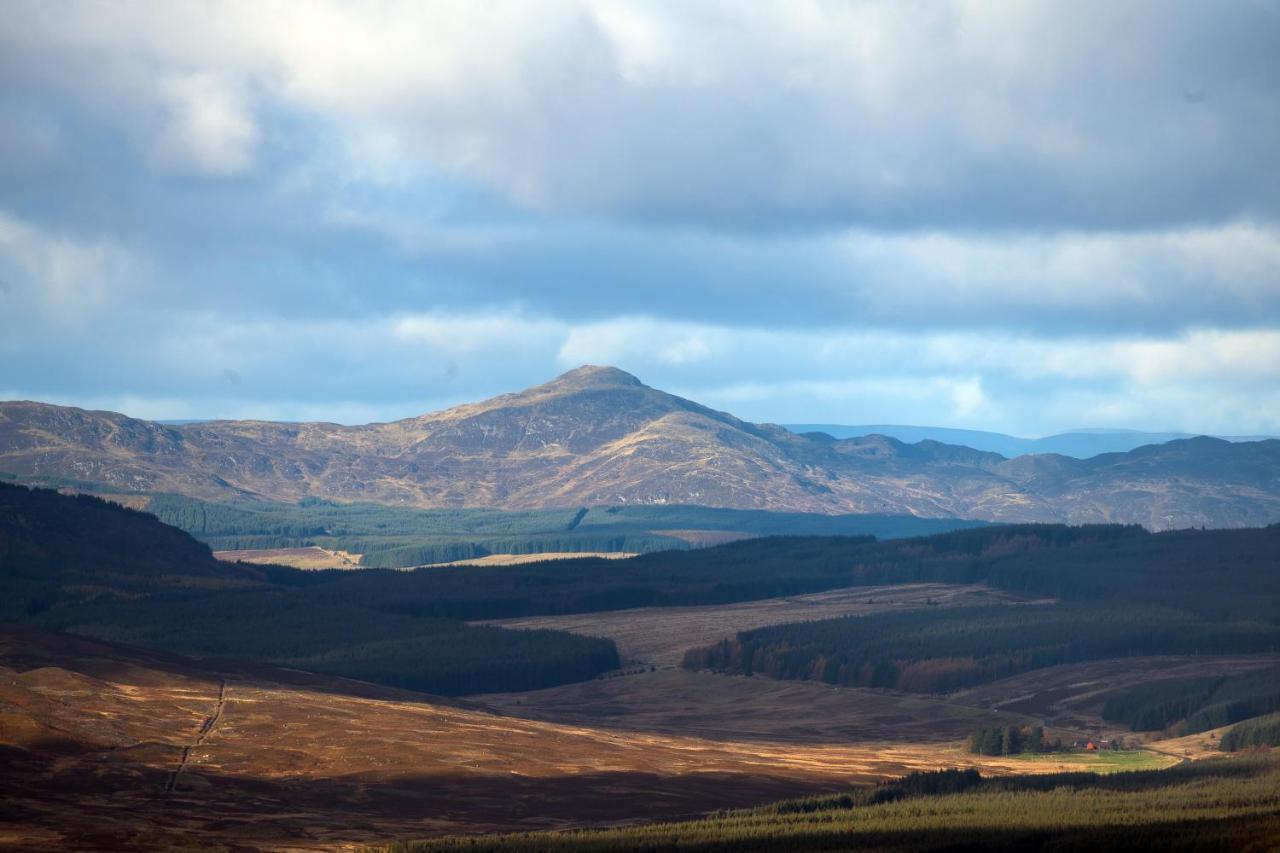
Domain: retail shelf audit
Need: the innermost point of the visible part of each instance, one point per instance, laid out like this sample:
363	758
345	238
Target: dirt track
206	728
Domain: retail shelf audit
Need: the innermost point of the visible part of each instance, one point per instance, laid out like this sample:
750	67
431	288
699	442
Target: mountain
1080	443
598	436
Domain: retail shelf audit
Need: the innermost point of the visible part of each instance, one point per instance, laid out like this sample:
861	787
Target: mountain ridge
599	436
1078	443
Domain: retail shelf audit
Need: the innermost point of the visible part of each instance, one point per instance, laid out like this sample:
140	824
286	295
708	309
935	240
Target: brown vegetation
92	736
659	636
599	436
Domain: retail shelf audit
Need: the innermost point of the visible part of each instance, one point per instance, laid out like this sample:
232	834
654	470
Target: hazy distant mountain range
1080	443
598	436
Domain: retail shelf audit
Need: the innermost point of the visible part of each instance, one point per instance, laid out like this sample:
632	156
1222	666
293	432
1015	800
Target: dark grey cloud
412	204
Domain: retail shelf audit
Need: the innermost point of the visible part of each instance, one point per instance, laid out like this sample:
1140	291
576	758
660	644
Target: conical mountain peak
594	376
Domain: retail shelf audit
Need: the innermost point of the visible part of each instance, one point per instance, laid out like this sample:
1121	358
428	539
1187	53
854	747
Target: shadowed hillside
99	569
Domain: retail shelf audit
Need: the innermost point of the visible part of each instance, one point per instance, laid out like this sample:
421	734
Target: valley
153	697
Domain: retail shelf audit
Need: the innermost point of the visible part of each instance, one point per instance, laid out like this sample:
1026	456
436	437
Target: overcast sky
1025	217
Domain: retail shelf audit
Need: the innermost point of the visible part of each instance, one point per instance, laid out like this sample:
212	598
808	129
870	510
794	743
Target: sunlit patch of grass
1105	760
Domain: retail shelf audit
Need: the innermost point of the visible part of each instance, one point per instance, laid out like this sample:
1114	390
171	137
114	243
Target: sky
1025	217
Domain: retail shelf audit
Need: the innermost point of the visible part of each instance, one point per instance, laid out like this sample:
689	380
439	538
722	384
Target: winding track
206	728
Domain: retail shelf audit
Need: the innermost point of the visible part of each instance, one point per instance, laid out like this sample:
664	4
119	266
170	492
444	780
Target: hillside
1081	444
1215	805
107	747
598	436
85	565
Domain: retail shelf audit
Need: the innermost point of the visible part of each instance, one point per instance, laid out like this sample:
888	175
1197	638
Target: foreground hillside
107	747
1216	805
598	436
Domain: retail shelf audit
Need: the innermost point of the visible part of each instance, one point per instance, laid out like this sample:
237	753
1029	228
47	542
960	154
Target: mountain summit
593	376
598	435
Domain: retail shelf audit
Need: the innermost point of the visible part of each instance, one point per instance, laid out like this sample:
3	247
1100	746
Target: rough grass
1213	804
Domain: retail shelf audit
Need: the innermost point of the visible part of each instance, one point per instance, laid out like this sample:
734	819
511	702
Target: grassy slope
1225	804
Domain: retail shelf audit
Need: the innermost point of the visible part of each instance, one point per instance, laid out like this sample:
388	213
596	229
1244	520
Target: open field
315	557
659	636
521	559
109	747
1106	760
311	557
733	708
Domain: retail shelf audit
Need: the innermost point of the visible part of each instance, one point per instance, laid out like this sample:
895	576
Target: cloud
880	115
402	365
209	129
59	280
1018	217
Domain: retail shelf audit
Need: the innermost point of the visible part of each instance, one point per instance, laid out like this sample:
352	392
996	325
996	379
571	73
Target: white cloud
60	280
403	364
641	340
1138	278
208	128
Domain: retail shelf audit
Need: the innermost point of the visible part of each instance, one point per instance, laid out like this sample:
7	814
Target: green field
1105	760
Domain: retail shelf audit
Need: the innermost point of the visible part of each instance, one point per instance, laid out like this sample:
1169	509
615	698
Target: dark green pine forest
87	566
400	537
1121	591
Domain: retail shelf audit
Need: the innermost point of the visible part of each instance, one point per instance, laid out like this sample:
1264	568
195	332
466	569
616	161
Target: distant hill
597	436
52	541
79	564
1081	444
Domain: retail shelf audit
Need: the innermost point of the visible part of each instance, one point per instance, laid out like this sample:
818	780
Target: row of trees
1010	740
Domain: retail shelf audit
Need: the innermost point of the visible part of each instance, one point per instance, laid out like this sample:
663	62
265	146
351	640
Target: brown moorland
659	636
110	747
